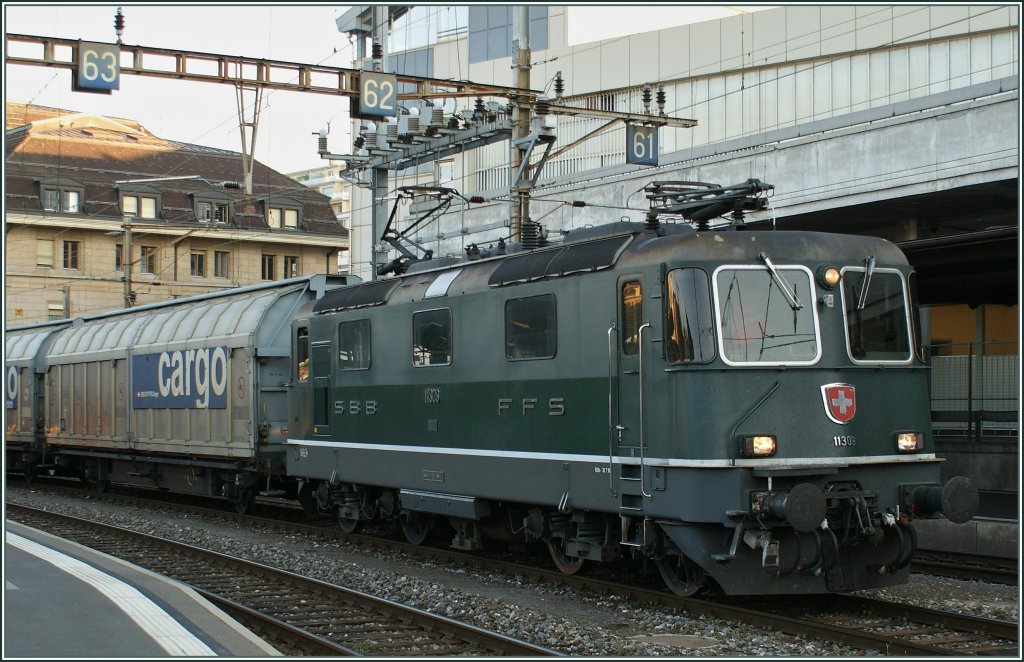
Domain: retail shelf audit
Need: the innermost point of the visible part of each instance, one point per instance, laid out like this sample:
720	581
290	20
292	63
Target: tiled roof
100	151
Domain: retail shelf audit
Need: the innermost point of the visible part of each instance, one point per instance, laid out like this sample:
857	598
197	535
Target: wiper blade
869	270
787	291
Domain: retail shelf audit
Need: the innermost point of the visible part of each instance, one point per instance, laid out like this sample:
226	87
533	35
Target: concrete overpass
938	175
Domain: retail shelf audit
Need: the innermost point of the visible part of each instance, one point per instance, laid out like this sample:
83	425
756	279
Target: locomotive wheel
415	526
243	501
349	525
682	576
567	565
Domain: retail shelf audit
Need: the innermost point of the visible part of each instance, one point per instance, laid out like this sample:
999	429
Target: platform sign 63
99	68
11	387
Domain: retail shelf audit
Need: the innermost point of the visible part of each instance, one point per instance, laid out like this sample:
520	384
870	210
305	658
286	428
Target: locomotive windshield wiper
869	269
794	303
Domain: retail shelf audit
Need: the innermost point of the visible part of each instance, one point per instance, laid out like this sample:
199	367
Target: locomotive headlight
908	442
758	445
828	277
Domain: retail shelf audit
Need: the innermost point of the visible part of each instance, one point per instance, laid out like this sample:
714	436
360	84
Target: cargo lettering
11	388
184	379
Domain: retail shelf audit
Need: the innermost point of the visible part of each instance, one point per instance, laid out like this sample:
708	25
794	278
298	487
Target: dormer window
138	206
212	206
212	212
62	195
283	213
140	201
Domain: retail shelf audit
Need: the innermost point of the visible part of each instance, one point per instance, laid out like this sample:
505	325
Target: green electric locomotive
746	408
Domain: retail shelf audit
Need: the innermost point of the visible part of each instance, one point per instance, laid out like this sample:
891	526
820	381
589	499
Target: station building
100	213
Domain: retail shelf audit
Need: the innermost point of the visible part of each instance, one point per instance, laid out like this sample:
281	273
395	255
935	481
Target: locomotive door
321	375
631	342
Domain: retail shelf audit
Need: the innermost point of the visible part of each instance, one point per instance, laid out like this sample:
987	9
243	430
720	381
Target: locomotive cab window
354	345
302	354
432	338
530	331
877	323
632	314
691	332
758	324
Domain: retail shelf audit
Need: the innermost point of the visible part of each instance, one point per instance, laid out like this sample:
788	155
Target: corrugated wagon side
24	388
188	396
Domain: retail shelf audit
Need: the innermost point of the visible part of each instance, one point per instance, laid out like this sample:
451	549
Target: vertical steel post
520	198
126	260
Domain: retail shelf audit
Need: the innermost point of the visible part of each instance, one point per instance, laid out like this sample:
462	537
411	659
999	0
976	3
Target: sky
200	113
206	113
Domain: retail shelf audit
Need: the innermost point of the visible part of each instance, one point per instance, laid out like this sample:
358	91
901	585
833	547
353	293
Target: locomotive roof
619	247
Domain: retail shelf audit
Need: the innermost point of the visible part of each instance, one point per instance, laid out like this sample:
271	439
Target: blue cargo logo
189	379
11	388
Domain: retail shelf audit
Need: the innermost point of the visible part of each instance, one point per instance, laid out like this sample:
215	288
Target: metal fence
975	389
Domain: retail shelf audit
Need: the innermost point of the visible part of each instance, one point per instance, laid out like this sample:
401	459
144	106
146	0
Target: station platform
63	600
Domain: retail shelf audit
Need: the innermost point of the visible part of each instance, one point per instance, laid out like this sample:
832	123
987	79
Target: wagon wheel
347	524
681	575
244	501
415	526
567	565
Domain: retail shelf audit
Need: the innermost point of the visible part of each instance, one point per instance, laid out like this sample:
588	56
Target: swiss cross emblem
840	402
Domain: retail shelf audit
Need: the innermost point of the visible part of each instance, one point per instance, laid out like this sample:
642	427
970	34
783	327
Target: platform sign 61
11	388
99	68
642	145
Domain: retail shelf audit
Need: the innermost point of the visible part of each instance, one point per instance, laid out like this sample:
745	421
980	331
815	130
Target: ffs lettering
556	406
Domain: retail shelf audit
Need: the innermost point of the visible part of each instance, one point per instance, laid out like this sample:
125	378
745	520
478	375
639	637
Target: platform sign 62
11	387
99	67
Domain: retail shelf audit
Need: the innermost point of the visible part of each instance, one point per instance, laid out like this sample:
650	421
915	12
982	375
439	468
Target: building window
197	264
44	253
432	338
119	257
291	266
148	261
213	212
60	198
138	206
55	311
71	253
220	264
267	272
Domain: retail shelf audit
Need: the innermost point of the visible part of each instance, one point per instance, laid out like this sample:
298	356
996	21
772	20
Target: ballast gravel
571	622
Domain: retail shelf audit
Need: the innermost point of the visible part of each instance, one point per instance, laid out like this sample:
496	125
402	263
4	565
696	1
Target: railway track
957	565
311	616
895	629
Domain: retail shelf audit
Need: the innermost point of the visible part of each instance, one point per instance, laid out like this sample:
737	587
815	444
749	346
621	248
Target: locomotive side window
632	314
354	345
432	337
530	328
758	324
877	325
302	354
691	332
